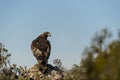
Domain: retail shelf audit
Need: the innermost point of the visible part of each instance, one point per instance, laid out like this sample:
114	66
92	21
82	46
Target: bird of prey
41	48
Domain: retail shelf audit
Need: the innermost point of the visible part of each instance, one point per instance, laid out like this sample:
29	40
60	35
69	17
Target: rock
52	73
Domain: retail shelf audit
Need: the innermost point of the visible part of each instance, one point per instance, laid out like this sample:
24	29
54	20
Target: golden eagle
41	48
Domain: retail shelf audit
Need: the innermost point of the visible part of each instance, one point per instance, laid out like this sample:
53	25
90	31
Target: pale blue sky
72	24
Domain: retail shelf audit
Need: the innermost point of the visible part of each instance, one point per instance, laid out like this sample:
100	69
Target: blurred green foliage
101	60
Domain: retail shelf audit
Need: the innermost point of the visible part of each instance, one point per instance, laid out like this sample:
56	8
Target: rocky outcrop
52	73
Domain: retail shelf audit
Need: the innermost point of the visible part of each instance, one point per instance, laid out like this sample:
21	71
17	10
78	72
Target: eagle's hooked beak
49	34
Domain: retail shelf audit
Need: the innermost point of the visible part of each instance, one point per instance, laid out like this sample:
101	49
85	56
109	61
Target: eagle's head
46	34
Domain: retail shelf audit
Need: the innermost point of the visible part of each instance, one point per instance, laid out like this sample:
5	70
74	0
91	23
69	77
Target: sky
72	24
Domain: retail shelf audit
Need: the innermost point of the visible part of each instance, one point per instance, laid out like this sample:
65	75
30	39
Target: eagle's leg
39	62
42	66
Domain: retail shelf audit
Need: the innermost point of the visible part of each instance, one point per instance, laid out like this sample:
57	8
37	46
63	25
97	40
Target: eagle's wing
45	47
41	48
